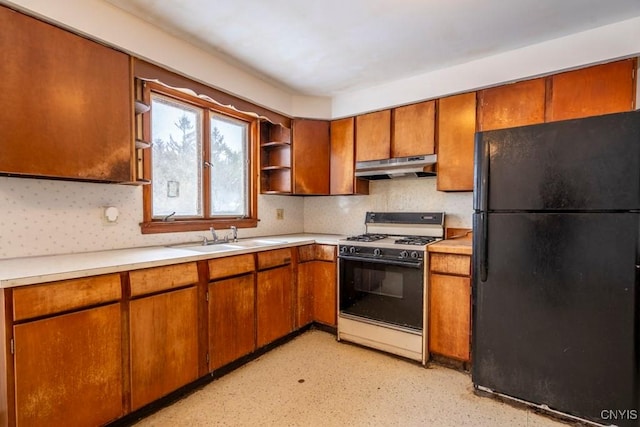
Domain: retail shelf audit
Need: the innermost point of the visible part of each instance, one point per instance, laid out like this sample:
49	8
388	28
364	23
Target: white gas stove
383	282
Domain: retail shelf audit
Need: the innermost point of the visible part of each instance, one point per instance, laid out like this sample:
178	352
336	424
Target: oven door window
385	293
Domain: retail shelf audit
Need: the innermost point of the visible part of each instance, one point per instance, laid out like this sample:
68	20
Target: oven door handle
402	263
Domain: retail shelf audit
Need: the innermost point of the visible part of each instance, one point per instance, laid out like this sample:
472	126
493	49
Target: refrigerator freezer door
555	320
585	164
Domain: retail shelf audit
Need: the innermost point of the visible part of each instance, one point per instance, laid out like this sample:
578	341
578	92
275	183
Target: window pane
176	158
229	142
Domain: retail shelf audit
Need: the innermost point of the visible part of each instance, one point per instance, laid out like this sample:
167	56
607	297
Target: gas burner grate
415	240
366	237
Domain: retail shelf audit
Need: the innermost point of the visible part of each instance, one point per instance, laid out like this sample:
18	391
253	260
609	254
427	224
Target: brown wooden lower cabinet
231	319
305	293
68	369
317	285
85	353
450	306
274	304
164	344
325	293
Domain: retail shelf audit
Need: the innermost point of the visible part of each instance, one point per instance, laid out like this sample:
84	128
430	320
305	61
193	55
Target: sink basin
211	248
257	242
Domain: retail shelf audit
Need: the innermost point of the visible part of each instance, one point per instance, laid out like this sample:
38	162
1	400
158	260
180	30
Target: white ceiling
328	47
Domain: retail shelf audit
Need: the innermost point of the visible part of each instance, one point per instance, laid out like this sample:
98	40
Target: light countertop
40	269
460	246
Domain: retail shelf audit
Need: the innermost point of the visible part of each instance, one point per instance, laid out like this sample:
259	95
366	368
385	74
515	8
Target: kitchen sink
257	242
212	248
231	246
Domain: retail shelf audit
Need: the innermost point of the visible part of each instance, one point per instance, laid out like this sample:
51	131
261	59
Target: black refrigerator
556	266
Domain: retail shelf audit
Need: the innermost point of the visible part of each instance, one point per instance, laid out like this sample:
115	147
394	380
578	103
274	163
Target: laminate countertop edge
452	246
49	268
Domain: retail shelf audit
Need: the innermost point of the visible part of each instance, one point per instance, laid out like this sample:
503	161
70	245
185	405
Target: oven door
387	291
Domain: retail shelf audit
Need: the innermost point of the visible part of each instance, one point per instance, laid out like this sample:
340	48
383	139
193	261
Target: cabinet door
511	105
66	106
450	316
456	131
311	156
164	344
592	91
343	180
373	136
274	304
414	130
304	306
231	320
68	369
325	293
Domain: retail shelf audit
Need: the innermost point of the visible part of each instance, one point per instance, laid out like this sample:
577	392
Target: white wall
345	214
44	217
602	44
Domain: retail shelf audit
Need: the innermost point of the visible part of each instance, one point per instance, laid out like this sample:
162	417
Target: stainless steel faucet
214	238
234	233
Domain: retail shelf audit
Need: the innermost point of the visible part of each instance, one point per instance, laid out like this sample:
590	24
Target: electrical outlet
279	213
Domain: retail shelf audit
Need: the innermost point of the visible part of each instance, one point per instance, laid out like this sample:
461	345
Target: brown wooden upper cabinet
511	105
66	109
311	146
592	91
373	136
413	130
456	132
342	179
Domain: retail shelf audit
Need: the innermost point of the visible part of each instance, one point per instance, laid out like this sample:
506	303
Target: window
200	164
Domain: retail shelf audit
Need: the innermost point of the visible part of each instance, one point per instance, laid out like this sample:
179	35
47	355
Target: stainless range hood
400	167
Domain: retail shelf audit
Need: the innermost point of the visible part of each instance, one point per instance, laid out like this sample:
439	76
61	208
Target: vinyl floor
315	380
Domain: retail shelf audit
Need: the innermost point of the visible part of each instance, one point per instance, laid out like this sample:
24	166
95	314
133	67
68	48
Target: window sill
155	227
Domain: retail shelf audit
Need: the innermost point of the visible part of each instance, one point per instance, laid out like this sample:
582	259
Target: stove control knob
352	250
404	254
414	254
377	252
343	249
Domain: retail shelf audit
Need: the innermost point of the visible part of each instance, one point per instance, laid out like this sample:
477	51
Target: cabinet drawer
325	253
65	295
274	258
306	253
157	279
451	264
231	266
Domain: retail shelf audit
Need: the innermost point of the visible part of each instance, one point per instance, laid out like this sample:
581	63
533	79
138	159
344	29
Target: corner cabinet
311	146
317	285
66	106
275	159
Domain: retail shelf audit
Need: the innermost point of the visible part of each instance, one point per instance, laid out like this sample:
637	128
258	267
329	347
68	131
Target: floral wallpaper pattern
46	217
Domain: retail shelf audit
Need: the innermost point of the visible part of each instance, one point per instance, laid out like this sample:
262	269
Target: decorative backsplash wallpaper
345	214
46	217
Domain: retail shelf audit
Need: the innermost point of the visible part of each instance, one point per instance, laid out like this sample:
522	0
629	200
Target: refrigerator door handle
481	232
481	174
